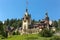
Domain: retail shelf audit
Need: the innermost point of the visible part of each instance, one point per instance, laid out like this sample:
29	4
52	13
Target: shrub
5	34
16	33
46	33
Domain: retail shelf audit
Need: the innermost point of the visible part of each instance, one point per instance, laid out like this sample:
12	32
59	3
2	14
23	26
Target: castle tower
47	20
26	21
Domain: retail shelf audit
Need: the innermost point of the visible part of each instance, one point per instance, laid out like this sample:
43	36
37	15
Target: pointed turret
26	22
46	16
26	13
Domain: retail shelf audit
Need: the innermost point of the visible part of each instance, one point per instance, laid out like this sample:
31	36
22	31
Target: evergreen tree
1	27
55	24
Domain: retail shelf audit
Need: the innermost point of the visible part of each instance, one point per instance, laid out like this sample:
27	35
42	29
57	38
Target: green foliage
34	21
26	37
13	22
14	25
1	27
46	33
16	33
5	34
32	38
55	24
7	22
55	38
59	23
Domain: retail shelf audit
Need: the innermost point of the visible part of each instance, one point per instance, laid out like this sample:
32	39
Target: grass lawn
26	37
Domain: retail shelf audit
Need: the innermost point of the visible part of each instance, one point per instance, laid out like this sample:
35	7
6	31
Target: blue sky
37	9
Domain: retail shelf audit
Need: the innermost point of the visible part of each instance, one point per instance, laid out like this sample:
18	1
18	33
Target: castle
36	27
28	27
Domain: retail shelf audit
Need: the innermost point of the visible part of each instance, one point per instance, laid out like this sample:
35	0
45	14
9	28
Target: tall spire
46	13
26	7
46	16
26	4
